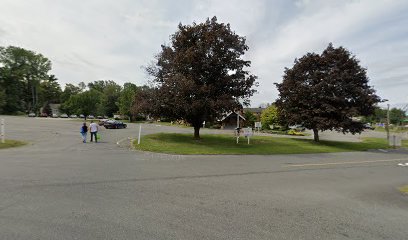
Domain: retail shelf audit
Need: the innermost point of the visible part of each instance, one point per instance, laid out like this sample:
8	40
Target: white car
64	115
297	128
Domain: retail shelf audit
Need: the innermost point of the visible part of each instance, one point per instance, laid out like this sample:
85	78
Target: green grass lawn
11	143
404	189
392	130
174	124
225	144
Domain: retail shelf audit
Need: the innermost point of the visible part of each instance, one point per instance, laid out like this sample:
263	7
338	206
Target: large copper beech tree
201	74
324	92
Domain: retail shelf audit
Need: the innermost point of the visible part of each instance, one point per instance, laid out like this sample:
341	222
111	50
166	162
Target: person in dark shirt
84	131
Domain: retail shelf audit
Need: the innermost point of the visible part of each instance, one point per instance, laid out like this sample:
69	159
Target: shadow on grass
226	144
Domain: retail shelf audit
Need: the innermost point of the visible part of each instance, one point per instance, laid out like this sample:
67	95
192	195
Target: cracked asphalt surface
56	187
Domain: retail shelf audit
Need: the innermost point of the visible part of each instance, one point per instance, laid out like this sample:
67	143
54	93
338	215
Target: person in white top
93	128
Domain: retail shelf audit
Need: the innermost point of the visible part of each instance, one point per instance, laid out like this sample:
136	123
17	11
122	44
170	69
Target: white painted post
3	134
248	140
140	130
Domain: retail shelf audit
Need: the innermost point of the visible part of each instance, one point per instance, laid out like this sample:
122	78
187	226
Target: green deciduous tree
83	103
397	116
201	74
269	116
50	90
70	90
126	99
110	94
250	119
21	73
324	92
3	100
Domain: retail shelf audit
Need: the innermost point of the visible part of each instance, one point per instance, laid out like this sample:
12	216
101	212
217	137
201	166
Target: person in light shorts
93	128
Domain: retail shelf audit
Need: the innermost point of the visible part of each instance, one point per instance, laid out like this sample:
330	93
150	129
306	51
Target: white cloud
91	40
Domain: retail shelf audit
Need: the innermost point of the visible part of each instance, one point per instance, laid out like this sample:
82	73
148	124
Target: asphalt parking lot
56	187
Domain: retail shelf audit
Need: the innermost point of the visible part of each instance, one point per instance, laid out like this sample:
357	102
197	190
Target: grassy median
11	143
404	189
263	145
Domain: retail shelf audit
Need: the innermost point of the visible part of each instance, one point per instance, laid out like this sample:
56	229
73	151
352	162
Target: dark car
110	124
43	115
103	121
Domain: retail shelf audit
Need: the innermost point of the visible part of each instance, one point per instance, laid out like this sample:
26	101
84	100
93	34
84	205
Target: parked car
99	117
43	115
102	122
64	115
368	126
117	117
81	115
54	115
113	124
73	116
91	117
31	114
299	128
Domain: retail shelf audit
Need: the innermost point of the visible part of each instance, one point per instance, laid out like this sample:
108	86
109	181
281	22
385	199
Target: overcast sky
89	40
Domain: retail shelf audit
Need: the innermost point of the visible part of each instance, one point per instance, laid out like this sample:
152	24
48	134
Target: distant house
229	121
256	111
55	108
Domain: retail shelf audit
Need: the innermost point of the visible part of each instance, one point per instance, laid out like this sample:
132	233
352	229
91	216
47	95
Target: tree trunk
197	132
316	134
33	97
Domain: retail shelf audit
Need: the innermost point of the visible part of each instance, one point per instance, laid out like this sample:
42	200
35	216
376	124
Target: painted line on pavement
344	163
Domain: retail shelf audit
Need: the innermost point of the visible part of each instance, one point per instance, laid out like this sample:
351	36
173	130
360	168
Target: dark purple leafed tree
201	74
324	92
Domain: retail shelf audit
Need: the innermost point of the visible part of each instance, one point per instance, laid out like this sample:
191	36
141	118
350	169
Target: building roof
254	110
226	116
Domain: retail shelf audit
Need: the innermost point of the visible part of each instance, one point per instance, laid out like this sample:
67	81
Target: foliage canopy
201	74
324	92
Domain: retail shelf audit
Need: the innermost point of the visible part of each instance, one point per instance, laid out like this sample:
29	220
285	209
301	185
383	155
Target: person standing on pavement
93	128
84	132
